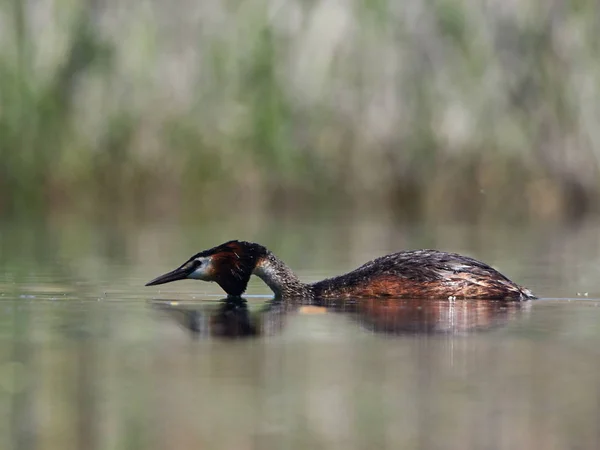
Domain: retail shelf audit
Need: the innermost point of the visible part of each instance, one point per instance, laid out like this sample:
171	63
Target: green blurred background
134	133
427	108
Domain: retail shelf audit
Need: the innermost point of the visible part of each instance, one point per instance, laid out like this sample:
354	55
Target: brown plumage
232	265
423	274
408	274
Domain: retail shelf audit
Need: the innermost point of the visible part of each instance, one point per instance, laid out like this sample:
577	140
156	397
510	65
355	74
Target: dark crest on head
233	264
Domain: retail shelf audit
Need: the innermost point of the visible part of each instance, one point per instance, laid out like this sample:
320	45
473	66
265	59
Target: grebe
407	274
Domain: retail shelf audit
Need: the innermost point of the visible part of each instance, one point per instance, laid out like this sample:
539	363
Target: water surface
89	358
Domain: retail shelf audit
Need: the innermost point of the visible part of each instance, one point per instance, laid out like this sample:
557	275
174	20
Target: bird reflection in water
231	317
435	316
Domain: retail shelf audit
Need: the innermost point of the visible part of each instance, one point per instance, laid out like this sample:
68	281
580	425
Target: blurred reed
439	107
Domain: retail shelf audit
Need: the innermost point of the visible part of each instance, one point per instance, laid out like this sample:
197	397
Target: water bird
413	274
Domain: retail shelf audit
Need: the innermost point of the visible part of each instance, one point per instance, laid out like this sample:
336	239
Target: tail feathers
526	294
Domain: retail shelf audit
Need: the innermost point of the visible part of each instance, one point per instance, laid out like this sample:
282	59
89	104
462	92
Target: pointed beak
177	274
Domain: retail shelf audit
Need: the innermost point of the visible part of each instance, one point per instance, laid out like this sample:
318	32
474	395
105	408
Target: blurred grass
426	107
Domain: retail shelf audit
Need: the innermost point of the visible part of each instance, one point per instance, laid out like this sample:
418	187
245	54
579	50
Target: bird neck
280	278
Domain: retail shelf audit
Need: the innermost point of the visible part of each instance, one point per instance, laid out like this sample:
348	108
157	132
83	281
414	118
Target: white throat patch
203	271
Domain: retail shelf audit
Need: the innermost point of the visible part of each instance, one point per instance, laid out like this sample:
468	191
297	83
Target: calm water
91	359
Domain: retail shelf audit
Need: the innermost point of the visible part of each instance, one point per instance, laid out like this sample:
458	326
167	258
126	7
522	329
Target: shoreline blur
444	109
